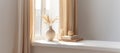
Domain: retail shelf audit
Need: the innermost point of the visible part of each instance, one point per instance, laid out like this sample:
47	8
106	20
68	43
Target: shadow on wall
99	19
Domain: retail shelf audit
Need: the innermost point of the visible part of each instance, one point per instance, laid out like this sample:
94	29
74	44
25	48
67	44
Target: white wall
99	19
8	25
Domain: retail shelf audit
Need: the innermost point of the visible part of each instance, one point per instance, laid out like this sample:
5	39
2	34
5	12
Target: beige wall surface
99	19
8	25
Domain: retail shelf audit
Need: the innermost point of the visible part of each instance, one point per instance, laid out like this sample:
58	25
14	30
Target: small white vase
50	34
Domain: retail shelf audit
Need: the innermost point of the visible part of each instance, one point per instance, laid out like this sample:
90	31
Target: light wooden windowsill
85	44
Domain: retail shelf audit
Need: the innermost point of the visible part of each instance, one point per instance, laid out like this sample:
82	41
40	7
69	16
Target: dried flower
49	20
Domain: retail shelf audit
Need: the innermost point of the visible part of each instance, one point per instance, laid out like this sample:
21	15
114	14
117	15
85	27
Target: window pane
37	19
52	10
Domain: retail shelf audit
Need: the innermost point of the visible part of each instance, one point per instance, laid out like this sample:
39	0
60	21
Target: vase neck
50	27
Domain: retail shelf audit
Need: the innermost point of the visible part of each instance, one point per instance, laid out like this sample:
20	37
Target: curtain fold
76	16
68	22
68	16
24	38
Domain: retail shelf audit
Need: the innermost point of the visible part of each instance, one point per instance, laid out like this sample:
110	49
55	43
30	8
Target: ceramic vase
50	34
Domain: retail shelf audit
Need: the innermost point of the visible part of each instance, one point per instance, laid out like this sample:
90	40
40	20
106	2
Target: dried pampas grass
49	20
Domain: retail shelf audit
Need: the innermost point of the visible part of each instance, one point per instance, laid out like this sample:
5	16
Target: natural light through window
49	8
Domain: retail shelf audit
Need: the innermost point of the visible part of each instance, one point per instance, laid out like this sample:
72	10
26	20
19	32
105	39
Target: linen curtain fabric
24	38
68	21
68	16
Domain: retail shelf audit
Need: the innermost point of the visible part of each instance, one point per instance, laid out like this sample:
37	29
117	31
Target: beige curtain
24	38
68	16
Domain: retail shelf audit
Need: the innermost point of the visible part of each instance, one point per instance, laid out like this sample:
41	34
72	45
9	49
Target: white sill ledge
85	44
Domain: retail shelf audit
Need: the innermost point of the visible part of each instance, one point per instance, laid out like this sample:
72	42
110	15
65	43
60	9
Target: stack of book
74	38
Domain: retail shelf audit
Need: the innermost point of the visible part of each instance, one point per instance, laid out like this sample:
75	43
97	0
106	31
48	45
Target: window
65	15
45	7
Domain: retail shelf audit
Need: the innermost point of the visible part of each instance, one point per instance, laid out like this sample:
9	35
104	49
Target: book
66	37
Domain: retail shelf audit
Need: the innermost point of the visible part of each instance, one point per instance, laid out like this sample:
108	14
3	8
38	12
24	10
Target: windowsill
85	44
